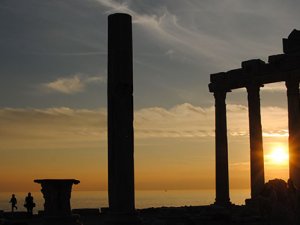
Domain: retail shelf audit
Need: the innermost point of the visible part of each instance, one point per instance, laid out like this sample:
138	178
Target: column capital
253	86
220	94
253	90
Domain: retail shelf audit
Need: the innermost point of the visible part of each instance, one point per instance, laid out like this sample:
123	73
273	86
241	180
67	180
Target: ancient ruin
120	119
253	75
57	195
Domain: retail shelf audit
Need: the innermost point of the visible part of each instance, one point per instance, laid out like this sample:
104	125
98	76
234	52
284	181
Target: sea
143	199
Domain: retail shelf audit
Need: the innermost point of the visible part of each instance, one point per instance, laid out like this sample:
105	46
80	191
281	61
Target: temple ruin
252	75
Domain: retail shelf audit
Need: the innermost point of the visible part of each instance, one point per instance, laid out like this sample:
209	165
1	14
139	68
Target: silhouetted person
13	202
29	204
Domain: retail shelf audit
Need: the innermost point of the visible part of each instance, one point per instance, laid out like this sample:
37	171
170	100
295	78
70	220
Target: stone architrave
222	178
256	141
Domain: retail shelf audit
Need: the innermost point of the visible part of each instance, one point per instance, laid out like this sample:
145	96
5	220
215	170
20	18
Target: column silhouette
294	129
222	178
120	115
57	207
256	141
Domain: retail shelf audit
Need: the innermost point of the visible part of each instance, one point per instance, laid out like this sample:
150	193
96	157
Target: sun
278	156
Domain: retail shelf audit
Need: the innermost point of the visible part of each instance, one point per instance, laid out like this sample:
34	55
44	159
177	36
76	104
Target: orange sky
54	91
174	148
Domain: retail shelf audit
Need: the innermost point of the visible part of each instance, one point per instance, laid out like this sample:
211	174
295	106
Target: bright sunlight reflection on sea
144	199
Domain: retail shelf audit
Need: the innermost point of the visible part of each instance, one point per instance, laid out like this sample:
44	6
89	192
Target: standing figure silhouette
29	204
13	202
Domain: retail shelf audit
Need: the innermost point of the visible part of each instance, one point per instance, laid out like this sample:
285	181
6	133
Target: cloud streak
163	26
63	125
275	87
71	85
177	44
210	32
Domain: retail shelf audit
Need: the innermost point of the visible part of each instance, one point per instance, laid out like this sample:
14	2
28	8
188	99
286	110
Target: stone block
254	66
217	77
291	45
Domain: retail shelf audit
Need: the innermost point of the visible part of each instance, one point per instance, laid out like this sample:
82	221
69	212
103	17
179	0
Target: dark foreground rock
187	215
278	203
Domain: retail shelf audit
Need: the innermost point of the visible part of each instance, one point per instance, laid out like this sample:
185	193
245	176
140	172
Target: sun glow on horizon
278	156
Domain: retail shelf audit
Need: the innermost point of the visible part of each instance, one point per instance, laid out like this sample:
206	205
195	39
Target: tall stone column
294	129
256	141
120	116
222	178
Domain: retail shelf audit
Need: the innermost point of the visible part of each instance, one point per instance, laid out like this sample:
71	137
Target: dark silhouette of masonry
120	120
253	75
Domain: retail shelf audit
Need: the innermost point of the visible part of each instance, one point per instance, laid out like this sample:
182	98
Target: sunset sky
53	89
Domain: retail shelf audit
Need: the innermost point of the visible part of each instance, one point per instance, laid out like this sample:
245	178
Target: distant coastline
144	199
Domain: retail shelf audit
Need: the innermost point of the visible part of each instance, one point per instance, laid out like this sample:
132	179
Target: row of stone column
256	140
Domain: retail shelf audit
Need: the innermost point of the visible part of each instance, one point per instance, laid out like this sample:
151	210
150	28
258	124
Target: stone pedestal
222	178
256	141
57	207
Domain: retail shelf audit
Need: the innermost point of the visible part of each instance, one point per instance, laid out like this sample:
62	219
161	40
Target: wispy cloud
71	85
187	120
242	167
67	53
51	128
274	87
188	31
181	121
163	25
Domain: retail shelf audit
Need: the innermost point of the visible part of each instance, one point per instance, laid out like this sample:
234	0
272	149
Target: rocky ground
188	215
